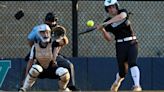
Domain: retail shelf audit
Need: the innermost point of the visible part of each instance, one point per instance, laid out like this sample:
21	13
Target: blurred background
88	51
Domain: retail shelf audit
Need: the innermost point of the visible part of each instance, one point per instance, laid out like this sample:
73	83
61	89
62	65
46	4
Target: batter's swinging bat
93	28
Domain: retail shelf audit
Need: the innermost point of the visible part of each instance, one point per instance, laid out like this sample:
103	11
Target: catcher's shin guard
32	76
65	90
64	81
22	90
64	77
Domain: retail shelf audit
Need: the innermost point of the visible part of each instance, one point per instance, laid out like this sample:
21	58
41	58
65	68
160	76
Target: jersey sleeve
32	52
55	44
108	28
124	10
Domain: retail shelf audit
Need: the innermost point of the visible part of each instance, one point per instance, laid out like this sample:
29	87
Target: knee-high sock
135	72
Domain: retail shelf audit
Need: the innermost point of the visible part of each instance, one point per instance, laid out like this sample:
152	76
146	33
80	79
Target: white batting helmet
44	27
110	2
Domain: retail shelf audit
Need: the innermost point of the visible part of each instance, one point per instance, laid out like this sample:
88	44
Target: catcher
62	61
42	63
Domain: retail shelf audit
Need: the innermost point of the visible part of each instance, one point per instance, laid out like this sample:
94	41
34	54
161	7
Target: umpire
62	61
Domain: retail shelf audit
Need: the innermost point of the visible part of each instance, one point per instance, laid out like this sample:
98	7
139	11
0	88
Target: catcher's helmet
44	28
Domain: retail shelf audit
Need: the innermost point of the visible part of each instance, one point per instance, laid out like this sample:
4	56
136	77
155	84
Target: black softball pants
126	53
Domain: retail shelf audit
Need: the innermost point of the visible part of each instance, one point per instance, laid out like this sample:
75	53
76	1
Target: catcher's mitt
58	32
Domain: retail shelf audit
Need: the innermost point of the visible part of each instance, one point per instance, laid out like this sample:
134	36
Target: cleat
73	88
65	90
137	89
115	87
22	90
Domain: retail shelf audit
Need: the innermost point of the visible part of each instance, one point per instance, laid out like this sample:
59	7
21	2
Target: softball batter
126	43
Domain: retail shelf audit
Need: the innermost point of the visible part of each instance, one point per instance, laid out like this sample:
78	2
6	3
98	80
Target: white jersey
43	55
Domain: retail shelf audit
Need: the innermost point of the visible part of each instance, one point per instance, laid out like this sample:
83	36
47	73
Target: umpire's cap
50	17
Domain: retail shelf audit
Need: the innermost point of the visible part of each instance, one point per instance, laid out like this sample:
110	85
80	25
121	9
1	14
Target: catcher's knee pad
63	73
35	70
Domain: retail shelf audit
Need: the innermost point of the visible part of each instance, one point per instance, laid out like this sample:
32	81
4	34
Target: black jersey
120	29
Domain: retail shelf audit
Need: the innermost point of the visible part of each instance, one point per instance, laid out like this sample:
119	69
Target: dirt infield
94	91
128	91
145	91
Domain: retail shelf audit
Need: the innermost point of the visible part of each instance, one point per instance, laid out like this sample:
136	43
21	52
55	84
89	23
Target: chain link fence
13	33
147	20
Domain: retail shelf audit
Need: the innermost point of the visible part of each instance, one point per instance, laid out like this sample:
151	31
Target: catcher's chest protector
44	55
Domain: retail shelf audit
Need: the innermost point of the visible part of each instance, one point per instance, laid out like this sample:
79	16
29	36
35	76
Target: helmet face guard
44	33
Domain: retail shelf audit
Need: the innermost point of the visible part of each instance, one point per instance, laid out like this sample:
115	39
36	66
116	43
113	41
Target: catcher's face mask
44	32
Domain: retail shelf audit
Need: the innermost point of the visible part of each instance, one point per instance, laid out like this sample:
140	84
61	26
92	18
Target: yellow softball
90	23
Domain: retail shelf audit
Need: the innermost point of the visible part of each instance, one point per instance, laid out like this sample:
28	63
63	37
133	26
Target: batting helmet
110	2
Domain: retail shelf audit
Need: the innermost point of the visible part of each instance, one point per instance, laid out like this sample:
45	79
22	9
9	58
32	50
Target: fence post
74	29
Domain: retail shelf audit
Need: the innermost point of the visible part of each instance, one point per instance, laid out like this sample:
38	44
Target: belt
126	39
